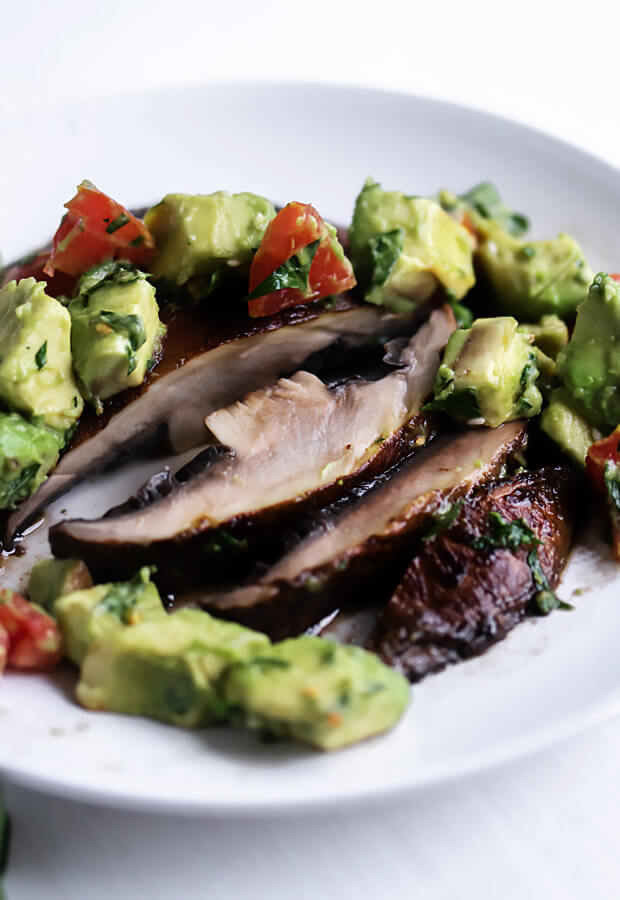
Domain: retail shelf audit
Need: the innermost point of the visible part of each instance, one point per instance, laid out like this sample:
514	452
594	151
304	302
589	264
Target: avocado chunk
316	691
27	453
52	578
403	248
533	279
115	330
488	374
85	616
167	669
589	365
197	235
569	429
550	334
36	378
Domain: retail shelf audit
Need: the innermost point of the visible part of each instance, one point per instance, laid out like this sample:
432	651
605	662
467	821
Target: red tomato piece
4	647
57	284
293	229
603	466
97	228
615	276
34	638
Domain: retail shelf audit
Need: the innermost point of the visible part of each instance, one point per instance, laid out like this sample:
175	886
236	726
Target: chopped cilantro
40	356
131	327
444	519
545	599
503	533
121	597
384	251
121	220
293	274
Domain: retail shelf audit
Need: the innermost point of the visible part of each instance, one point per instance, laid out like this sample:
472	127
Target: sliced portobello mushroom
360	553
295	445
470	585
207	362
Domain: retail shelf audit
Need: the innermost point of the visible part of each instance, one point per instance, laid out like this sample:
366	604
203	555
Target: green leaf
444	519
116	271
385	249
130	327
11	492
292	274
121	220
484	198
40	356
546	600
460	404
502	533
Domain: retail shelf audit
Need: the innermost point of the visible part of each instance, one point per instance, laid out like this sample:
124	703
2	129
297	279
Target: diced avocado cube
197	234
36	378
316	691
569	429
403	248
532	279
27	453
550	334
589	365
115	329
488	374
85	616
167	669
52	578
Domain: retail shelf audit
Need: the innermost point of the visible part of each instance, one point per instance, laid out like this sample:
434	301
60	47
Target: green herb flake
444	519
137	241
505	534
546	600
293	274
384	252
121	598
40	356
121	220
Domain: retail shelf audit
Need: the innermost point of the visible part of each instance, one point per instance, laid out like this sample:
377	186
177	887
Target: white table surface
545	827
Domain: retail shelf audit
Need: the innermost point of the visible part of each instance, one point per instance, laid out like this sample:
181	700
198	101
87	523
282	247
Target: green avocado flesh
589	365
86	616
403	248
27	453
51	578
36	378
488	374
316	691
166	669
115	330
196	234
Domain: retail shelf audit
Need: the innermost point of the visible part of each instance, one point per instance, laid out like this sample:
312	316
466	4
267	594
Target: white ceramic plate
550	678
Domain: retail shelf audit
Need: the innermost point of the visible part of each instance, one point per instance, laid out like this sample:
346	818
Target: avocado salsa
536	336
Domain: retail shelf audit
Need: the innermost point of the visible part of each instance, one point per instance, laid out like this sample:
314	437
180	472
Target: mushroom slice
290	446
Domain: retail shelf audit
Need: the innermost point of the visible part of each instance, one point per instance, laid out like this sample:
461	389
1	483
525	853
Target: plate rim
537	741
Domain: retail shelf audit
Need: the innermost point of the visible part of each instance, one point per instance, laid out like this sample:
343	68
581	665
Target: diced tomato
4	647
294	228
34	638
97	228
615	276
603	466
57	284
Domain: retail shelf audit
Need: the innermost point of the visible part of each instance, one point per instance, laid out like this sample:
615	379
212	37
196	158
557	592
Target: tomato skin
615	276
294	228
603	467
34	638
82	239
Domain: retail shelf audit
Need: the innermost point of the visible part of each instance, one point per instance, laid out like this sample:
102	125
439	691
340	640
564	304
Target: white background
544	828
